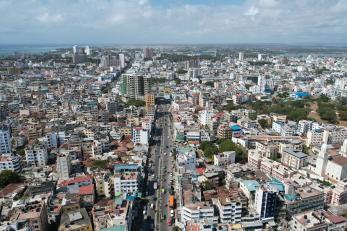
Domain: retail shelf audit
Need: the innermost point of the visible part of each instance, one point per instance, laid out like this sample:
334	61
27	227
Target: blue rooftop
277	184
126	167
290	197
251	185
115	228
302	94
235	127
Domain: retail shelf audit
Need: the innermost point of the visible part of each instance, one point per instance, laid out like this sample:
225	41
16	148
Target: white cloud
141	21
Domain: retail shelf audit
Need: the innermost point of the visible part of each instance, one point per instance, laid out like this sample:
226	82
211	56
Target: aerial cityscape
150	115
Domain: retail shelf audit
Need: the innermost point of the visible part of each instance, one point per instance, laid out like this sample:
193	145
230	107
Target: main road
160	170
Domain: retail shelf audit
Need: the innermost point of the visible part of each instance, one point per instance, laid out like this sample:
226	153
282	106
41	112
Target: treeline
222	145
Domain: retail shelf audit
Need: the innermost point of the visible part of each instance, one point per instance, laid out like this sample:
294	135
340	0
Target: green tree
135	102
8	176
99	164
209	83
264	123
206	185
181	71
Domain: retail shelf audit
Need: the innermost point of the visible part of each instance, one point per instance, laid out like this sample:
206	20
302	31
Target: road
159	170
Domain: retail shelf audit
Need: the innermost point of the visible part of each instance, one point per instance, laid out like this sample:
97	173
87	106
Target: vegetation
206	185
264	123
326	109
99	164
209	83
209	149
159	80
341	107
181	71
228	145
178	81
294	109
135	102
8	176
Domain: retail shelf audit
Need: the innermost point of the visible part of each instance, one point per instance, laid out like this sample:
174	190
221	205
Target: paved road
160	167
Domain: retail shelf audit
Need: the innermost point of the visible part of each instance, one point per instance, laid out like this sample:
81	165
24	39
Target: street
160	173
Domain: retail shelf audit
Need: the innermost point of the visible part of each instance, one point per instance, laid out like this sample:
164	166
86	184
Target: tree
209	149
178	81
209	83
135	102
8	176
206	185
99	164
264	123
181	71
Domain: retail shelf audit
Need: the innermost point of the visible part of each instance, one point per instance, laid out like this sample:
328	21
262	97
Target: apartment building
293	158
230	209
36	155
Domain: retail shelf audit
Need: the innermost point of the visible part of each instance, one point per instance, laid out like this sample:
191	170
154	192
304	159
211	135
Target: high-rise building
122	60
36	155
5	140
87	50
64	166
136	86
241	56
265	202
147	53
78	54
192	63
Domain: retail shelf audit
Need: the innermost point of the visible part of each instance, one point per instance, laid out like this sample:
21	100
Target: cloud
49	18
177	21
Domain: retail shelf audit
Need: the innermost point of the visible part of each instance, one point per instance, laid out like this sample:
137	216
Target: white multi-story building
140	135
229	210
10	162
64	166
36	155
199	212
126	182
205	117
304	126
5	140
314	137
186	159
224	159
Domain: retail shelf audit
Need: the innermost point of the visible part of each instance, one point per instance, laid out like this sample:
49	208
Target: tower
322	160
343	150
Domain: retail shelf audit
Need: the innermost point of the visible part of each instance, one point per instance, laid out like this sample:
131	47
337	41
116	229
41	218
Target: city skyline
173	22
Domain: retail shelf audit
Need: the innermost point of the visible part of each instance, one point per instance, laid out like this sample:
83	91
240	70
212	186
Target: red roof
75	180
201	171
86	190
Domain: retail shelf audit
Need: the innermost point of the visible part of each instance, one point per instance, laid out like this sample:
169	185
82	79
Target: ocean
9	49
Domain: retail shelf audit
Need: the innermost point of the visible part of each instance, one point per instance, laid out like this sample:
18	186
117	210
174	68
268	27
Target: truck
171	201
155	185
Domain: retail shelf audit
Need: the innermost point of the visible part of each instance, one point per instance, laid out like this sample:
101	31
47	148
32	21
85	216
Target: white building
186	160
265	202
205	117
314	137
122	60
140	135
229	210
36	155
126	182
199	212
64	166
5	140
10	162
224	159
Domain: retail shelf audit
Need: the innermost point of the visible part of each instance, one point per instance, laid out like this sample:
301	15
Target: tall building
36	155
265	202
122	60
150	102
64	166
78	54
147	53
241	56
5	140
192	63
136	86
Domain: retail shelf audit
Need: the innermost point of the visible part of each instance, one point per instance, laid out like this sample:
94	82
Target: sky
173	21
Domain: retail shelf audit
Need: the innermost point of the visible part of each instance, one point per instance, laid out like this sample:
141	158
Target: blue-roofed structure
300	94
121	168
235	128
276	184
251	185
115	228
